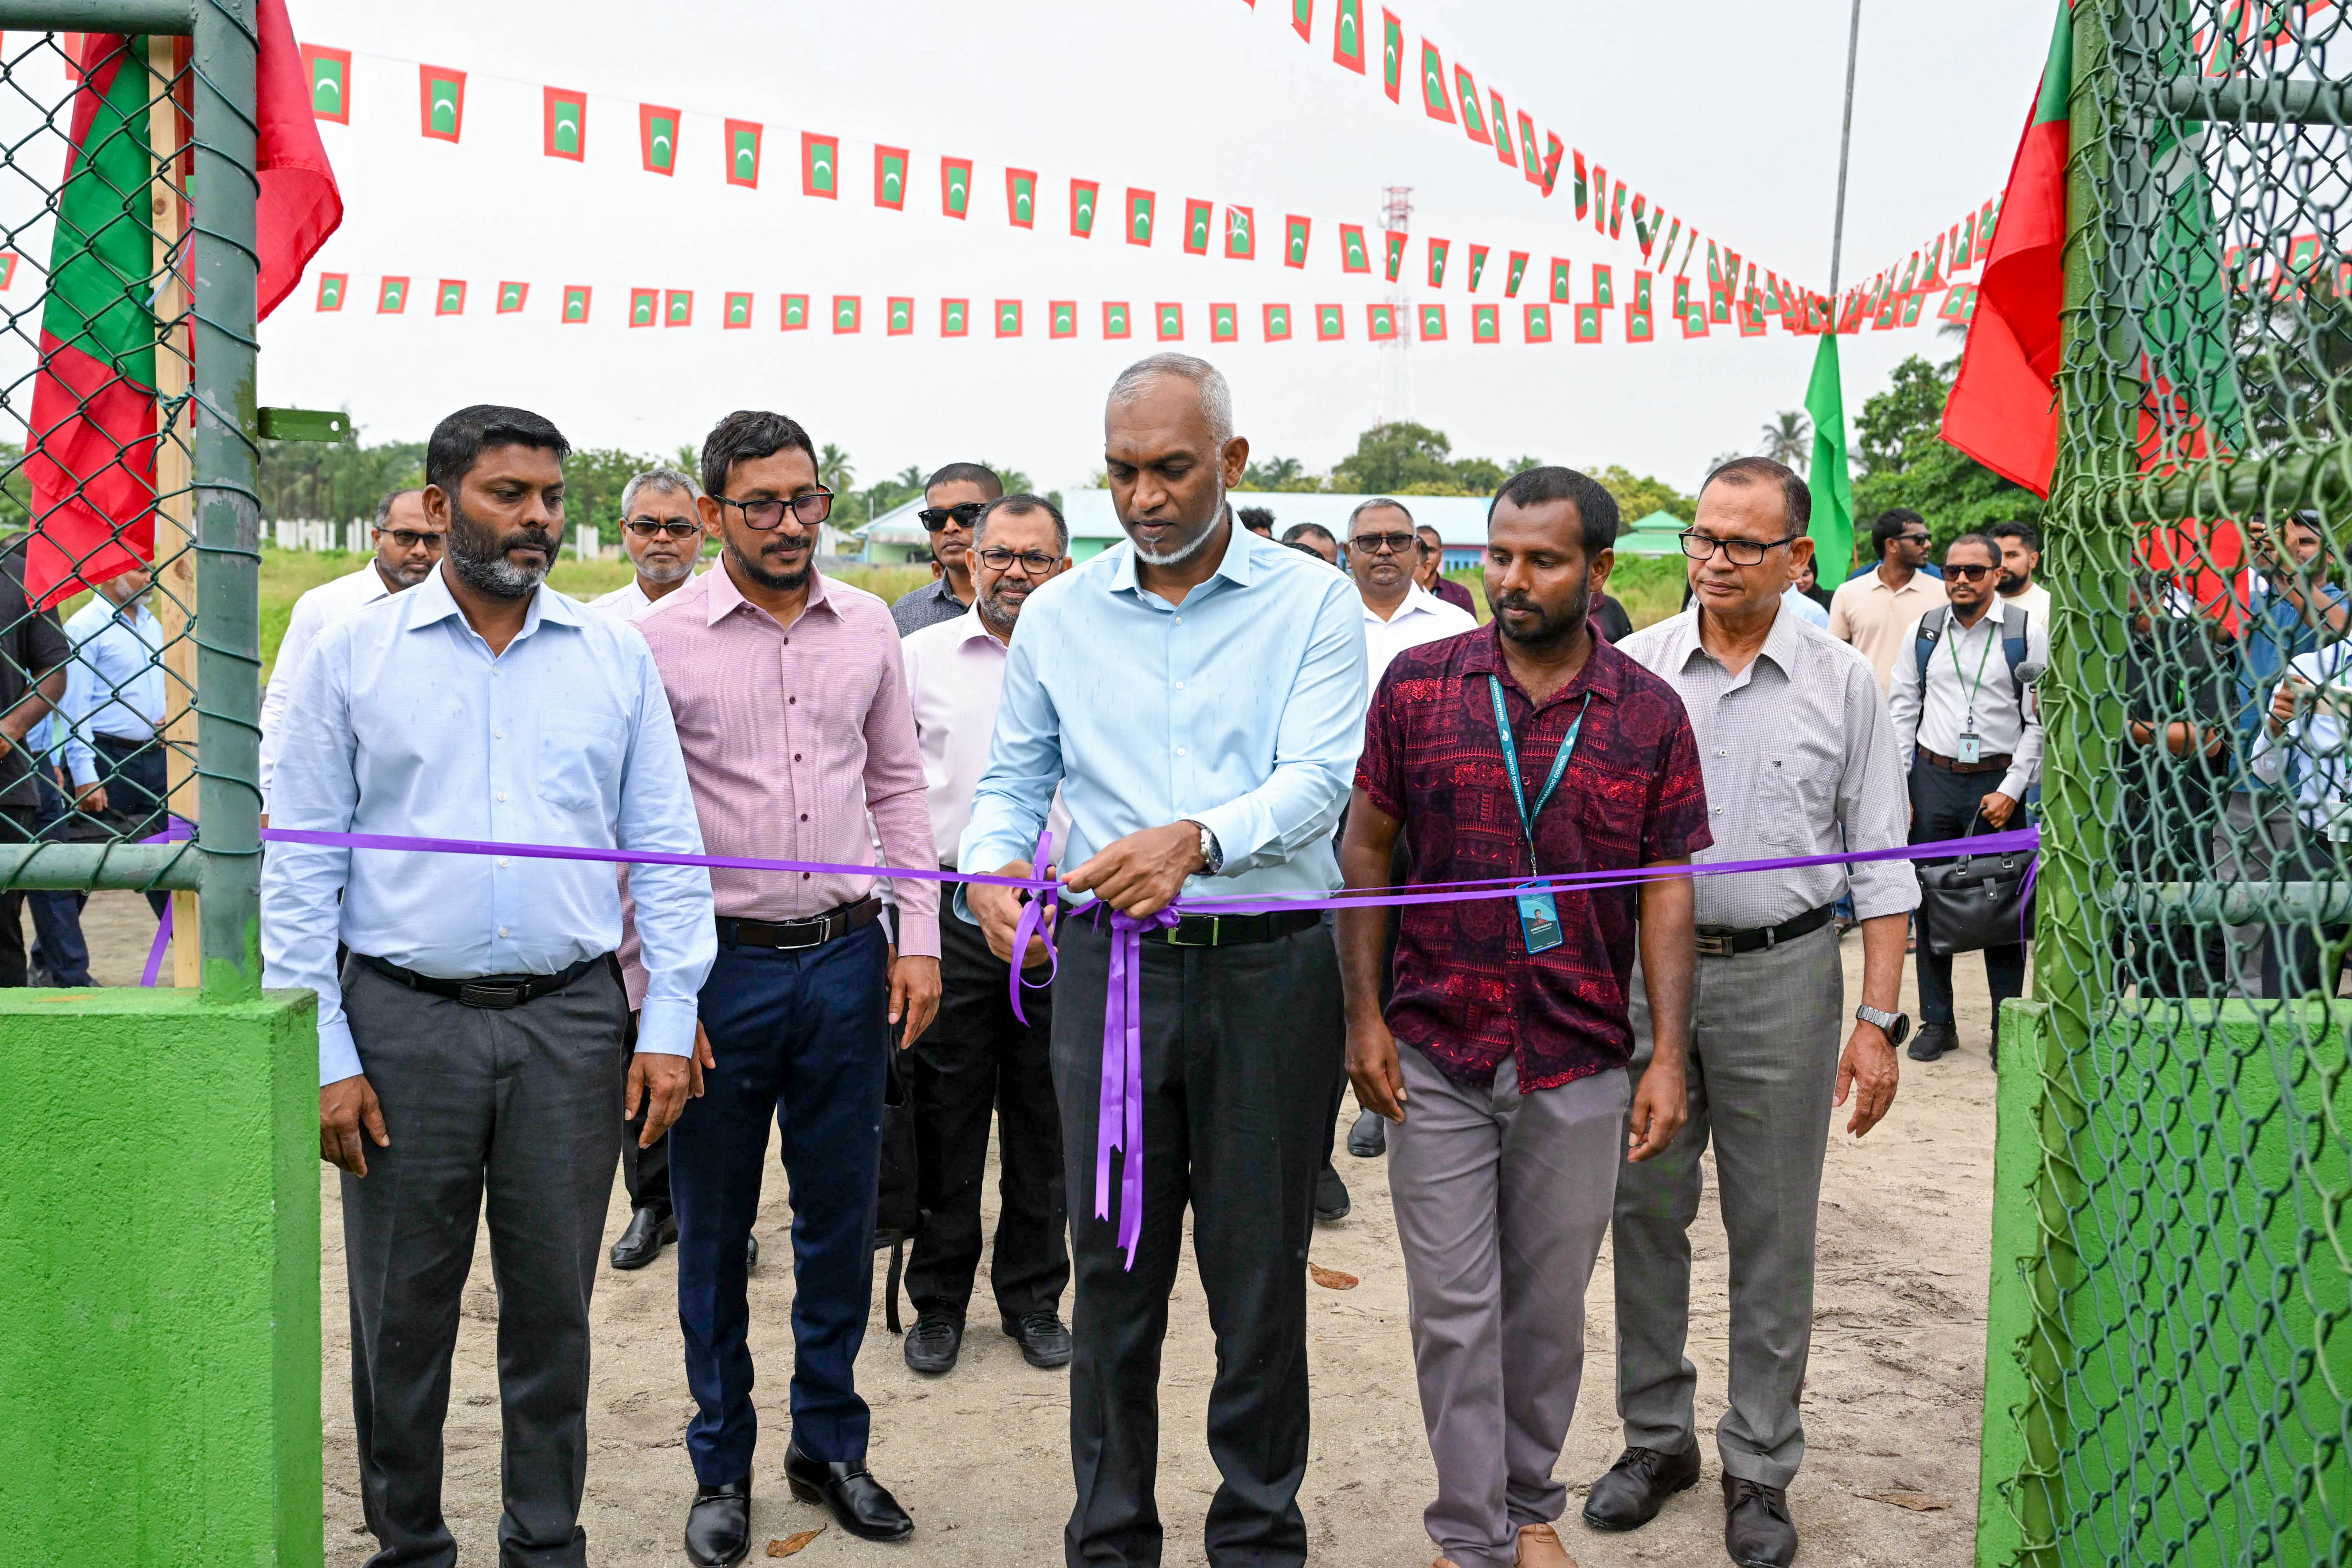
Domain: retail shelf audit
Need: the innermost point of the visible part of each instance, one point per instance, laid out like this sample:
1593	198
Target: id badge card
1539	920
1971	748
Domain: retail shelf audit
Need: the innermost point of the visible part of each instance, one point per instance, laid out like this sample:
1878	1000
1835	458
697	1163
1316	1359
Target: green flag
1833	524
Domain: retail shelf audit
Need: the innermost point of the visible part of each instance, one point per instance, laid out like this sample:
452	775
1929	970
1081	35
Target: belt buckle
493	996
1714	946
815	926
1215	930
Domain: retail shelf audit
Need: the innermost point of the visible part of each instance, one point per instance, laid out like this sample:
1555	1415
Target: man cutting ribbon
1198	696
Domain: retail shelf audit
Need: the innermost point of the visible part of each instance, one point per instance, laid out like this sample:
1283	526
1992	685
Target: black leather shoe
1933	1040
1045	1342
1369	1138
858	1503
1757	1529
718	1525
1637	1486
650	1230
934	1342
1331	1204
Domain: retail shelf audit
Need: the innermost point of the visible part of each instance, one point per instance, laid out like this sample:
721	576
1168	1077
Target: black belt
1996	763
791	936
1233	931
495	991
1722	941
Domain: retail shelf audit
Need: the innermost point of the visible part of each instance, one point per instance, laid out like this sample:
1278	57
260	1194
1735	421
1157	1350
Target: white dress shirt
1956	698
1421	618
114	683
629	601
321	607
2309	758
1799	755
955	677
403	722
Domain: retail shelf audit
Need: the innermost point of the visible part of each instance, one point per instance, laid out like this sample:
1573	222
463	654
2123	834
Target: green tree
1399	459
593	482
1789	438
1272	473
1910	465
834	470
1638	495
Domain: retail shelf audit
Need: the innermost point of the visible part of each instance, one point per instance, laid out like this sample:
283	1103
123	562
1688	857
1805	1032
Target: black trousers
1239	1055
978	1058
16	826
135	775
645	1172
1943	804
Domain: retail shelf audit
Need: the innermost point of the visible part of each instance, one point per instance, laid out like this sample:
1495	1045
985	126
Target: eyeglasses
811	509
646	527
936	517
1739	551
409	539
1911	539
1969	574
1374	543
1037	563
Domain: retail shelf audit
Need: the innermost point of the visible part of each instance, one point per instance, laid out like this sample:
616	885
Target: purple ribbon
162	944
1118	1114
1034	923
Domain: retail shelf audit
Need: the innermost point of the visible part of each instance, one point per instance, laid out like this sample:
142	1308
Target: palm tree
1789	438
834	471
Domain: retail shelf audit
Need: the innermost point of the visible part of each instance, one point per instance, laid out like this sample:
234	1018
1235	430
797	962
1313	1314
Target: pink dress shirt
793	735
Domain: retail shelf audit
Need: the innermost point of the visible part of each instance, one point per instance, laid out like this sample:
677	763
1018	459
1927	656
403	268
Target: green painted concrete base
158	1279
2009	1311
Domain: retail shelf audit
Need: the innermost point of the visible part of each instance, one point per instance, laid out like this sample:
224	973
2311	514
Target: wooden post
175	603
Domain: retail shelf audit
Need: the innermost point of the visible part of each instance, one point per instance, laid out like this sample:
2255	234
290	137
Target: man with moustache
662	531
980	1057
1531	748
407	547
1800	759
472	1043
1197	693
791	700
952	502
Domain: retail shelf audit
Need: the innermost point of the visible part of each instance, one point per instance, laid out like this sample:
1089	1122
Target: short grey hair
1374	504
1216	397
675	480
384	507
1019	504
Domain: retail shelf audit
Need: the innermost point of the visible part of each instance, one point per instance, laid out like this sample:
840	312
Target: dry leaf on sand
1330	1278
791	1544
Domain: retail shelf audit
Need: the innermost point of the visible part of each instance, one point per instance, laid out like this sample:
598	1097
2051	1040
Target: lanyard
1511	762
1970	727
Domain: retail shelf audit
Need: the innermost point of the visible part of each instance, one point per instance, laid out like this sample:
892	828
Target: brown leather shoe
1539	1547
1757	1529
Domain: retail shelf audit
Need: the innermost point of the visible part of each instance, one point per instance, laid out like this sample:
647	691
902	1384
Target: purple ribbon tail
1032	923
163	945
1119	1112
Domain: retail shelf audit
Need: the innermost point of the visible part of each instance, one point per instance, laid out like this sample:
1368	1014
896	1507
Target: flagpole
1845	146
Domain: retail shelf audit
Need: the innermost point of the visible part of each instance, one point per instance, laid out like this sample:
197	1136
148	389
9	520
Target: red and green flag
1330	323
330	289
1432	323
1501	121
657	138
1554	149
512	297
1528	156
1062	319
1277	324
1579	187
1172	322
1485	324
1617	212
1083	194
848	313
1538	326
1224	324
1693	319
1588	324
738	314
645	307
1020	197
1474	124
329	72
1294	240
890	178
1637	325
1380	323
955	318
1395	238
955	186
575	303
1562	284
1302	18
1518	271
795	316
1392	54
440	102
899	316
563	123
743	154
1433	99
1477	266
1138	217
1008	318
820	165
678	307
1196	227
1354	255
1241	233
1437	249
1347	37
1115	321
1604	294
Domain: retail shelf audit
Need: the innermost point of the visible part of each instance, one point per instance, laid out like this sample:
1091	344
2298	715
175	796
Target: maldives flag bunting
1484	327
1008	318
793	317
678	308
1561	285
898	319
575	303
1528	154
955	318
1477	266
1062	319
391	296
737	316
1433	101
743	152
1196	227
1172	322
1474	123
1438	263
1224	326
440	102
330	74
890	178
1241	234
1302	18
563	123
1138	217
1641	291
1115	323
1020	197
1580	186
657	138
1588	324
1380	323
1600	199
1432	323
1617	212
1277	324
1602	294
1538	326
1554	149
645	307
1501	121
1392	54
848	313
1395	238
1637	325
331	290
1294	240
1330	323
1347	37
820	165
1354	255
511	297
1518	271
1083	196
955	186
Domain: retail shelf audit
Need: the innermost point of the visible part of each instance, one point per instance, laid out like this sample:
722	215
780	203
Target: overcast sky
1726	113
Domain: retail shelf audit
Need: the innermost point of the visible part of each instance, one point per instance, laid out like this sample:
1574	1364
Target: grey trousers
524	1105
2248	845
1501	1201
1763	1067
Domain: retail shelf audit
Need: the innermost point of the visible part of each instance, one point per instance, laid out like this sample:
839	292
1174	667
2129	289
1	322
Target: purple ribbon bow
1033	923
1119	1122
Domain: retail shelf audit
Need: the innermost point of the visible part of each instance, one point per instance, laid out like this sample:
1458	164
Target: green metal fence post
228	513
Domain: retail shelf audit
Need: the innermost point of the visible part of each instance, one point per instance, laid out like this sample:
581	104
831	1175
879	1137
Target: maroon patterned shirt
1467	993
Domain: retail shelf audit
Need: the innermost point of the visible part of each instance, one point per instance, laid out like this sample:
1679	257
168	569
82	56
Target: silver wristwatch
1896	1026
1212	858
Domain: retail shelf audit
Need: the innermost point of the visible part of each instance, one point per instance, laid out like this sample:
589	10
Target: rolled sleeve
302	884
672	917
1873	808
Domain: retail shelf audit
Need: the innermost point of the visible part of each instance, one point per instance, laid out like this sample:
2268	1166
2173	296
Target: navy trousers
799	1037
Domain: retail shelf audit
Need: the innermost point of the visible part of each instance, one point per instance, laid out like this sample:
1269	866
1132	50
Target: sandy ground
981	1458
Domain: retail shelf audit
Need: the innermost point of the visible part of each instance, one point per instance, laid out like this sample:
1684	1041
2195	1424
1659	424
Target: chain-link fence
2190	1367
127	720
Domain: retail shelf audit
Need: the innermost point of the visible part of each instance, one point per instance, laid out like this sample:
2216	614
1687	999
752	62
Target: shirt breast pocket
1794	793
579	757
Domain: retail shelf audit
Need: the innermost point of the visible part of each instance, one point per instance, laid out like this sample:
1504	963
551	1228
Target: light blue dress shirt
403	722
114	684
1805	608
1242	709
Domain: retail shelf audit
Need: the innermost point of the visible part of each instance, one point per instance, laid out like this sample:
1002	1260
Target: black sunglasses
936	517
1969	574
1374	543
409	538
811	509
646	527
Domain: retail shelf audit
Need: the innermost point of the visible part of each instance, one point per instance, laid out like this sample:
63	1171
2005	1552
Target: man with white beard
663	534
